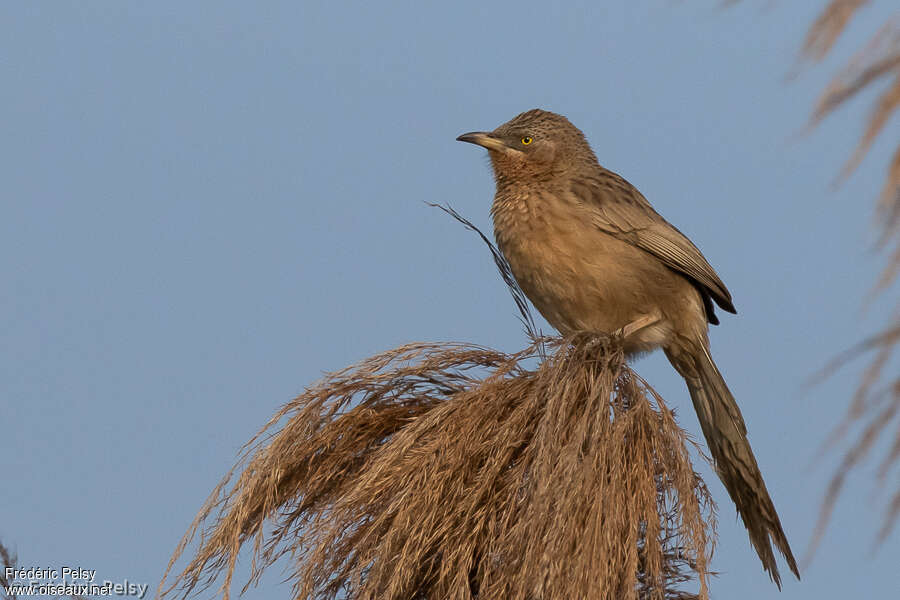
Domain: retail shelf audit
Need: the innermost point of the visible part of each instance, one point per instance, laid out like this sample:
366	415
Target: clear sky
206	205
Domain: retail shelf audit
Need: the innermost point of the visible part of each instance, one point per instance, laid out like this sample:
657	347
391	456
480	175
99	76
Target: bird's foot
640	323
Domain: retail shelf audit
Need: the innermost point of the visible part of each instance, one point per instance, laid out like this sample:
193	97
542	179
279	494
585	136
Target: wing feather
619	209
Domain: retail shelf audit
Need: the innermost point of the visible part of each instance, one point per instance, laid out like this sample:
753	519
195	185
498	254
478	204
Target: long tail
726	435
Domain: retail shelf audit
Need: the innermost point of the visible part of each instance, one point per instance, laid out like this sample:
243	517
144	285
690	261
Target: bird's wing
620	210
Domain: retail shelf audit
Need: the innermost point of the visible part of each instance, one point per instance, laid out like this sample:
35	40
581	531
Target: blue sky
207	205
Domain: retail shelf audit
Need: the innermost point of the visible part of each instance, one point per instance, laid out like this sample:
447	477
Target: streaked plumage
592	255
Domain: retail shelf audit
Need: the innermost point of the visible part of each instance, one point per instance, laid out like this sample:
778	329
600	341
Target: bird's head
535	146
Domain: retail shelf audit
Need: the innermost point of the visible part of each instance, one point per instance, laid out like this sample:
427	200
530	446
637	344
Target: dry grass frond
456	471
875	405
876	408
877	60
880	58
889	203
503	269
828	26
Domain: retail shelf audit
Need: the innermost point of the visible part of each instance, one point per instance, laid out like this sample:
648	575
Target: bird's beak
485	139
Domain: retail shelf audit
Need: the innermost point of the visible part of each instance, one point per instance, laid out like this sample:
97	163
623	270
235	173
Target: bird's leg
638	324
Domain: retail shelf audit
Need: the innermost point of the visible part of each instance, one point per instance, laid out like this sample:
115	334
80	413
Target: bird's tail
726	435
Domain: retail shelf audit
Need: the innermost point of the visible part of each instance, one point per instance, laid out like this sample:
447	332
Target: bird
592	255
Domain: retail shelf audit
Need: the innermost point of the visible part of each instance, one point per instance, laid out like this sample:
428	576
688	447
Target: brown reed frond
503	269
875	405
877	409
828	26
456	471
877	60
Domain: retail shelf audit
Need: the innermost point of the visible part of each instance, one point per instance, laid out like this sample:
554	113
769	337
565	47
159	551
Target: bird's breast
578	277
550	252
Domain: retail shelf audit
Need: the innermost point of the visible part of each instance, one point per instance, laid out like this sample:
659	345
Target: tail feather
726	435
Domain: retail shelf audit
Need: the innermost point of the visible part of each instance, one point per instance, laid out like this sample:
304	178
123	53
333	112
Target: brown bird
592	255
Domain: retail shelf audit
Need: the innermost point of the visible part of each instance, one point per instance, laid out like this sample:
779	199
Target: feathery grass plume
875	407
876	404
456	471
878	60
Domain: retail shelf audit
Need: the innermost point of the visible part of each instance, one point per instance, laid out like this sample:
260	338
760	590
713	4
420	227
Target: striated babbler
592	255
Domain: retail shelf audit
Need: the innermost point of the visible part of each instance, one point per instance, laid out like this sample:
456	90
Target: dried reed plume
878	60
876	405
456	471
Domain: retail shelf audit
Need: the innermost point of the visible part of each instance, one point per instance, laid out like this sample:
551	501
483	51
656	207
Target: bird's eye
526	140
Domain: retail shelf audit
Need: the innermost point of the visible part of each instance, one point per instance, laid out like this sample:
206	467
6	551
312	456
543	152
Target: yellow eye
526	141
